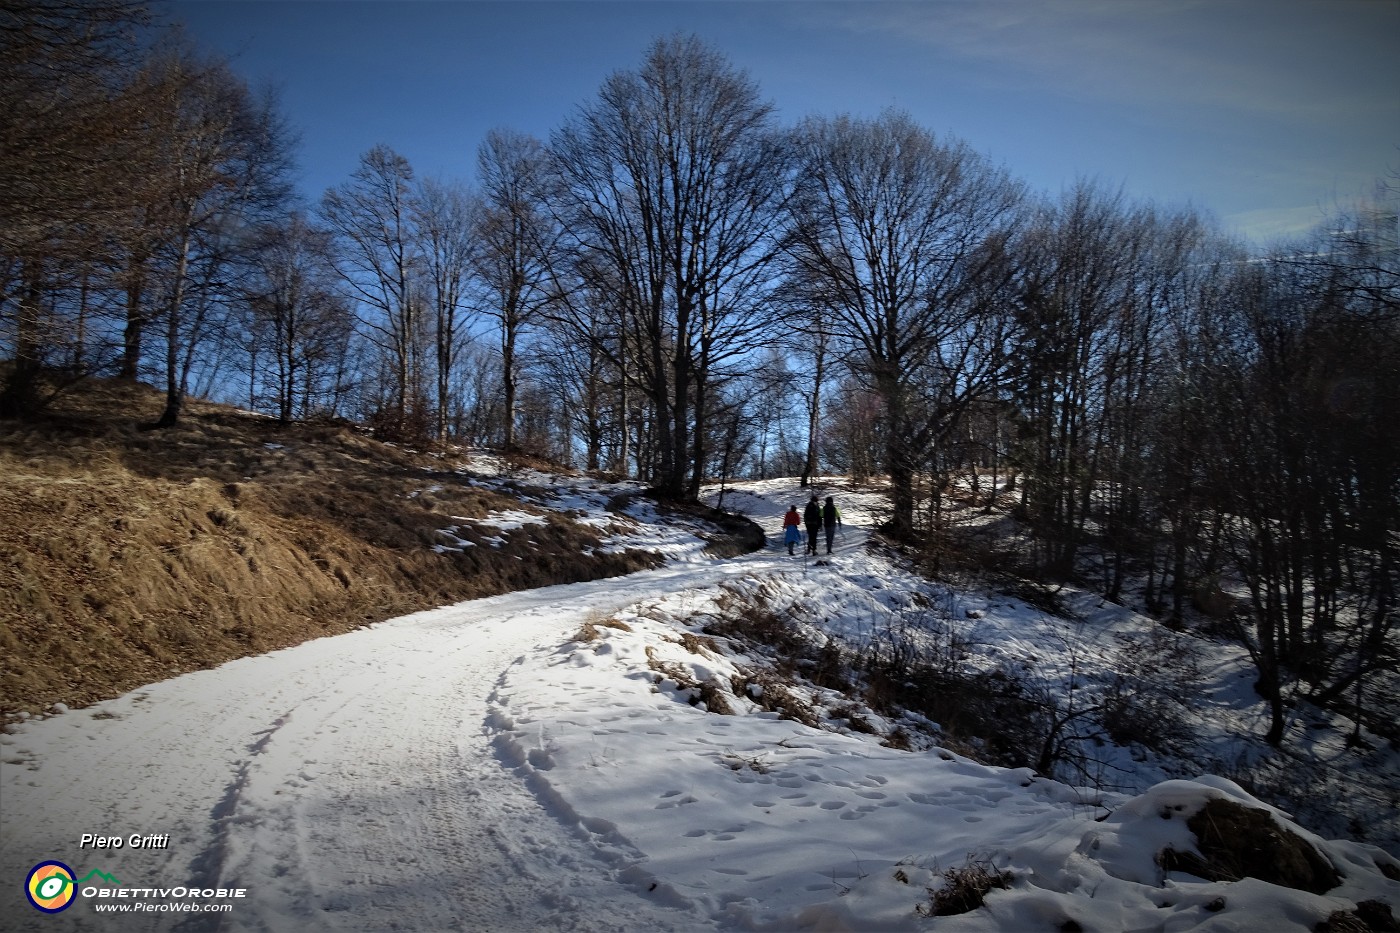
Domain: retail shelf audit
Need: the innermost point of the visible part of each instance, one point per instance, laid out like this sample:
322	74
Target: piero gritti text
134	841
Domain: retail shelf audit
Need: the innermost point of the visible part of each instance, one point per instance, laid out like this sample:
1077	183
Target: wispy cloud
1295	59
1274	224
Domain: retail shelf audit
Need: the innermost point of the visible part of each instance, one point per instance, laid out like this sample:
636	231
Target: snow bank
764	823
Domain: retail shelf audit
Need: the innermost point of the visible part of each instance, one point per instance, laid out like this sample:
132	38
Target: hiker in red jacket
792	529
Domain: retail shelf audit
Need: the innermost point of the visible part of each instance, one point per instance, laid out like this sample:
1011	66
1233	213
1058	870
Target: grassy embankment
128	556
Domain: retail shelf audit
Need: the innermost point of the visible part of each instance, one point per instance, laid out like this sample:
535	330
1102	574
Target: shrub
965	889
1149	700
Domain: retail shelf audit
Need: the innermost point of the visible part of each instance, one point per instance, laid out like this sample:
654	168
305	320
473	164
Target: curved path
348	783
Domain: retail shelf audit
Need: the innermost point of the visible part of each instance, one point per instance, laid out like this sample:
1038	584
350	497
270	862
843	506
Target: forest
677	288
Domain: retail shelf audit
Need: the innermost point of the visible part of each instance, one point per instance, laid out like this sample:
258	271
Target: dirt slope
127	556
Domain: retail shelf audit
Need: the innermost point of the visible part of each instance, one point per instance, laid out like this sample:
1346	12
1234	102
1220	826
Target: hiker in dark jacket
831	517
814	523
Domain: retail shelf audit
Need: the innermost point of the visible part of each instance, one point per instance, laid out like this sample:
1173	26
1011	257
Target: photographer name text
134	841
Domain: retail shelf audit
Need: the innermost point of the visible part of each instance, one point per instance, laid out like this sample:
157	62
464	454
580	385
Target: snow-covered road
347	783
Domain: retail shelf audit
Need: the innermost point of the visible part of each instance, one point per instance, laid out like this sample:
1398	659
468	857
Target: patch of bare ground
129	556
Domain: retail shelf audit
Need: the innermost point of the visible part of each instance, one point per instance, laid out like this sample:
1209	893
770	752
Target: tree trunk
20	396
444	377
809	468
508	382
135	326
700	449
901	491
623	416
174	385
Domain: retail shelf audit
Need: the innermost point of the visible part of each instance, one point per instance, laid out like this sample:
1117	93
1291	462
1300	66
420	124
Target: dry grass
596	620
127	556
708	692
964	889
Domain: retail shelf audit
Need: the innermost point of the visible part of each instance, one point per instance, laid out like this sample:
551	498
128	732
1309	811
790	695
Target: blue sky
1266	114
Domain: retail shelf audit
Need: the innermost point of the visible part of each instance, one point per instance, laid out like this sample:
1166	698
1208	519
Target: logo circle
50	887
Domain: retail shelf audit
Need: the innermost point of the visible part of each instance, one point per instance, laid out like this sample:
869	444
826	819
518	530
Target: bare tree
576	360
379	258
587	316
853	431
905	236
768	389
297	314
218	160
445	215
670	182
64	124
68	141
1083	316
516	240
810	343
1170	254
1306	469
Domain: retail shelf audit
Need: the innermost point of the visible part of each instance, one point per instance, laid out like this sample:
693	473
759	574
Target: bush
919	664
965	889
1148	702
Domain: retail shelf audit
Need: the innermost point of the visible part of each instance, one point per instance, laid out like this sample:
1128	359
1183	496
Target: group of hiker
817	517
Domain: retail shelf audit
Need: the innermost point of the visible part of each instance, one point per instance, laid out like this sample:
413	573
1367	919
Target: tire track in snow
206	868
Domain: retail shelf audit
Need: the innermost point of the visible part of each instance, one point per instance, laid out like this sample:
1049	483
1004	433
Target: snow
483	767
502	520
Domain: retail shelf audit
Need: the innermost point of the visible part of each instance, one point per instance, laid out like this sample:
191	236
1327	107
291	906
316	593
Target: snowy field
481	767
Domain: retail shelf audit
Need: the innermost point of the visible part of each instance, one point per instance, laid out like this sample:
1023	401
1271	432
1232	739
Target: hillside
128	556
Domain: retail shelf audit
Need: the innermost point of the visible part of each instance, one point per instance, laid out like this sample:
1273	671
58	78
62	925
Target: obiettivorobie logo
52	886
